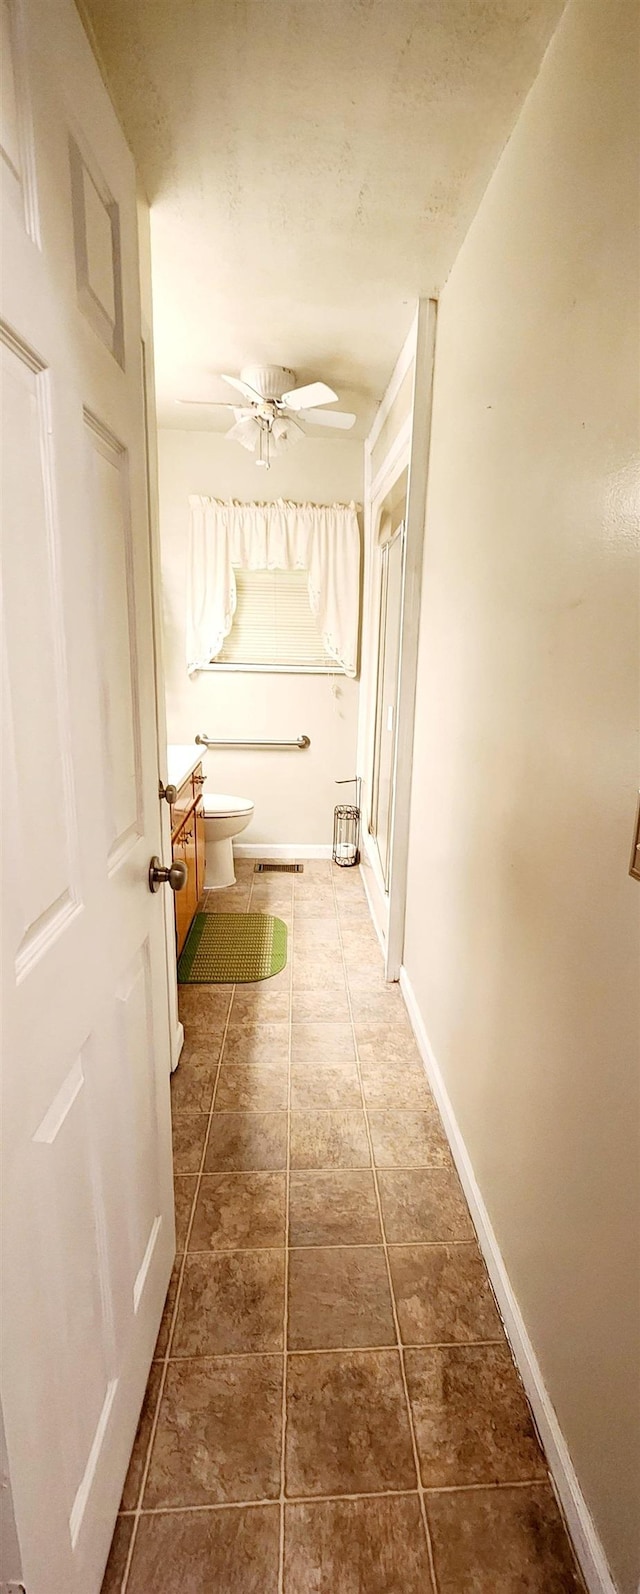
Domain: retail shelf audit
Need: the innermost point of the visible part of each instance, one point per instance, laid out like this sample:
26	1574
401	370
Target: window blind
273	623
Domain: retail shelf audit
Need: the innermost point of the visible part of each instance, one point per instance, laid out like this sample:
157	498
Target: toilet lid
223	805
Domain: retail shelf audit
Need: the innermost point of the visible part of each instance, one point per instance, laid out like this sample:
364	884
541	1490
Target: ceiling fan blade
216	404
338	418
313	393
243	387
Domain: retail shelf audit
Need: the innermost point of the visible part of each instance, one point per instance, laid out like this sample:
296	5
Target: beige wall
523	924
294	792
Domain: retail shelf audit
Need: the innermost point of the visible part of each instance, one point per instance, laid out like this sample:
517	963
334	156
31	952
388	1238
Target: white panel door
88	1231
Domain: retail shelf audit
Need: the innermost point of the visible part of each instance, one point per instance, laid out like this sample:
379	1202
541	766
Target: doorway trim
409	448
421	410
394	465
383	552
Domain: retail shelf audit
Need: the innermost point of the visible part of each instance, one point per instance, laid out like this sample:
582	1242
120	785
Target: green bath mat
232	948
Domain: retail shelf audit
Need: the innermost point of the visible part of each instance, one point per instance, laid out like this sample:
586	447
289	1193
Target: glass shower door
384	750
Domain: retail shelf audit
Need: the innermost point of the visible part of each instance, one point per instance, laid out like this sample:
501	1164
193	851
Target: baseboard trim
586	1542
299	850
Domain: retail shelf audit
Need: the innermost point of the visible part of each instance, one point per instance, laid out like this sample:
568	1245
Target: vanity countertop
181	762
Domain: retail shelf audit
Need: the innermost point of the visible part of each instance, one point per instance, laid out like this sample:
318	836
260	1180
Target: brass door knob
175	876
170	793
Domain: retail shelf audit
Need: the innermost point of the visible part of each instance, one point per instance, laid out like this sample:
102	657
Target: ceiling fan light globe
245	432
285	433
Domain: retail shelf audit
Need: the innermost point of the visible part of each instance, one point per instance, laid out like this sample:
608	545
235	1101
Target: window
273	627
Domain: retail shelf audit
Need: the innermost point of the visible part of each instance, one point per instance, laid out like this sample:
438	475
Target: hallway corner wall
523	926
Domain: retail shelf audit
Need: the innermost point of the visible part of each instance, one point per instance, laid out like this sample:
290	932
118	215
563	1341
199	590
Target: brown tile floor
333	1408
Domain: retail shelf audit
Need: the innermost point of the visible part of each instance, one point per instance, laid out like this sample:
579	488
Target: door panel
9	111
87	1208
37	674
69	1216
138	1116
107	488
96	239
16	127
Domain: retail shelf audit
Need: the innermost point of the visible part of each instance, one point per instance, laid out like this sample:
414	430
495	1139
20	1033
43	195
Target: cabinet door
182	804
191	888
181	899
200	852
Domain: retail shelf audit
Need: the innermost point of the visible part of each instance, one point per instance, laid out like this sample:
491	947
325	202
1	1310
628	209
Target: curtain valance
321	538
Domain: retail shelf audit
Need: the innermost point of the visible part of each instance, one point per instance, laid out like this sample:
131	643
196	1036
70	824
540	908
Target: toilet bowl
225	816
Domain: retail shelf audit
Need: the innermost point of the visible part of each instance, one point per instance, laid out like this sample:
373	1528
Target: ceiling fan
267	424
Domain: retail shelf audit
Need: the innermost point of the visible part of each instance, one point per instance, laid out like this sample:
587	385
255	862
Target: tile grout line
328	1350
285	1323
328	1167
174	1315
392	1245
315	1499
349	1245
399	1345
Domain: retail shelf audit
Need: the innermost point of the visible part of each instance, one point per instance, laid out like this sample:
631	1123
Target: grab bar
206	741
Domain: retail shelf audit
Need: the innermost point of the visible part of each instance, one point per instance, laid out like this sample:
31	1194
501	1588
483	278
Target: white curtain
321	538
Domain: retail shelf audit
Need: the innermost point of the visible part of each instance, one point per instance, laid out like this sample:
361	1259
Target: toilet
225	816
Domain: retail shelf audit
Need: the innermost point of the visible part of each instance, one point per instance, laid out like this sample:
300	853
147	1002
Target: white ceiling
312	166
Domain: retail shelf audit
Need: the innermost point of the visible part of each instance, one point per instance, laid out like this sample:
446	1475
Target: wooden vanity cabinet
187	844
200	859
182	806
182	903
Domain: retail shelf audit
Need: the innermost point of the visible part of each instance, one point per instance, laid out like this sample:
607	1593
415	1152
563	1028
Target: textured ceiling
312	166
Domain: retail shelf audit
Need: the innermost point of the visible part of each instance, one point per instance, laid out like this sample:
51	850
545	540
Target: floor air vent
278	868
